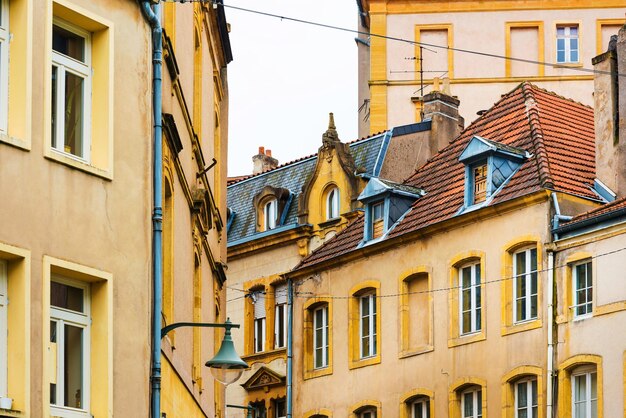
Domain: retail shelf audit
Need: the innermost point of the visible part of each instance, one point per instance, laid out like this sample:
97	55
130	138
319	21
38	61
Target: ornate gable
264	378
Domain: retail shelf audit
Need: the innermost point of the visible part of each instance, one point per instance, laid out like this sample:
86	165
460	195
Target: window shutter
280	294
259	306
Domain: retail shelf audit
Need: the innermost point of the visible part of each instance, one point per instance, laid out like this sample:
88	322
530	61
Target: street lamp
226	366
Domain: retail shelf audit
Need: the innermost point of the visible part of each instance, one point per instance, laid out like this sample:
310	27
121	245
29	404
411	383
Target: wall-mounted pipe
550	359
289	400
151	14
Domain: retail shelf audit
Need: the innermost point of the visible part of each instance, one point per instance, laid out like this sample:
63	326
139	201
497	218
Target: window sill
10	413
568	65
521	326
16	142
265	356
416	351
312	374
355	364
466	339
79	165
330	222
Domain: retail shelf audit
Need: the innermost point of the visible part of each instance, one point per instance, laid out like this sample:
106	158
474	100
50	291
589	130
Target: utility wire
394	38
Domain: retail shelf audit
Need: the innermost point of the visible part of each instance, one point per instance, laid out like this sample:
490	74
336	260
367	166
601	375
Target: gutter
590	221
151	14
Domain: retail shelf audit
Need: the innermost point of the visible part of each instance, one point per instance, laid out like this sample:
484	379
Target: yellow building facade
196	51
469	42
75	137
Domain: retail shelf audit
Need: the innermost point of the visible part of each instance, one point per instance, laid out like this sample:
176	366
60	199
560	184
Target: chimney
609	114
263	161
443	111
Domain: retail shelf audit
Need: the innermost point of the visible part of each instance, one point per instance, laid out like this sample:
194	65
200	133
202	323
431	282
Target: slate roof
367	153
557	132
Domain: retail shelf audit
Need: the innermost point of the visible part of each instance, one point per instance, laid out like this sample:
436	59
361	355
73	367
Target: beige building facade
554	42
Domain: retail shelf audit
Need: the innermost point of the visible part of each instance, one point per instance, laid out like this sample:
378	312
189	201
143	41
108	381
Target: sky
286	77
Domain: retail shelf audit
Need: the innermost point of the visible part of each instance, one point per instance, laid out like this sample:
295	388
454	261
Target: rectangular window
320	337
567	44
4	64
525	39
470	298
421	409
281	409
585	395
368	414
259	321
472	403
525	285
71	90
70	323
378	223
368	325
280	318
583	289
270	214
3	330
479	176
526	399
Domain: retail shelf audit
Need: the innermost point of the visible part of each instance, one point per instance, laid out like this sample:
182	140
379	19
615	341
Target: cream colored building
195	119
563	34
485	297
75	167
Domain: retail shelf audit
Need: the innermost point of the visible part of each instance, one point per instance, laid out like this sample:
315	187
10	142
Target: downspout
550	371
557	215
151	14
289	348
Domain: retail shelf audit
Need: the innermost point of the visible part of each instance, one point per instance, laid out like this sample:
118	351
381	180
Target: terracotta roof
557	132
596	212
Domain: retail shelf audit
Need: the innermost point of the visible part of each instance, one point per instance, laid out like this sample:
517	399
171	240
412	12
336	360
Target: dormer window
269	214
378	222
488	166
332	204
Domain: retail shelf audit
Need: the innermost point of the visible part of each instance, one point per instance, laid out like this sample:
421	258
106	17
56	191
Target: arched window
420	407
332	203
471	402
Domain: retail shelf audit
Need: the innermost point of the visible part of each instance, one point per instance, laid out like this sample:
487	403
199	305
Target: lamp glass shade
226	376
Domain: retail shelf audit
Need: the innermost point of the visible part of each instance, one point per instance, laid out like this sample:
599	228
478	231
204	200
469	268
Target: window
280	317
479	177
258	299
71	90
471	403
420	408
584	393
320	337
583	289
567	44
270	214
70	345
368	325
280	408
3	330
4	64
469	299
332	203
525	285
378	223
370	413
526	405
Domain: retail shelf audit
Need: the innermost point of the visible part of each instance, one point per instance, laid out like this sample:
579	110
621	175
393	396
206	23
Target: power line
394	38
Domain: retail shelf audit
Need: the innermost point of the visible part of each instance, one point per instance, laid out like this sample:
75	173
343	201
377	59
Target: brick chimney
263	161
610	114
443	111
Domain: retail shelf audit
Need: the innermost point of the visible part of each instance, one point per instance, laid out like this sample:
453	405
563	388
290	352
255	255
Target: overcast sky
286	77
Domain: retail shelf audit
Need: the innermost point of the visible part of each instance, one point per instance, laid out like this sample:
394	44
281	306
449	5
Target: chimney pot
261	150
268	152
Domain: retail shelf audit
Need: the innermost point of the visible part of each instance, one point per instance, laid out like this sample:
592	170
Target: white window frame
369	413
477	407
332	204
4	65
4	331
276	403
259	335
280	333
567	38
527	385
323	328
370	299
528	276
270	214
587	372
422	404
475	288
81	320
588	303
65	64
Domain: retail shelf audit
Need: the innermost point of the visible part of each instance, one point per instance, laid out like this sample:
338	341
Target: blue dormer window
385	203
488	166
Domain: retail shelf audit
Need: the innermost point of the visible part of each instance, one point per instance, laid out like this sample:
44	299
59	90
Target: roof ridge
536	133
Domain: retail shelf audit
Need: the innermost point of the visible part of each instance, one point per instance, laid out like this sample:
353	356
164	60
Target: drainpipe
550	371
151	14
557	215
289	348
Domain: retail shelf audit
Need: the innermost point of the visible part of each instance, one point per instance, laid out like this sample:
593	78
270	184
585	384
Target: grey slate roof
292	176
